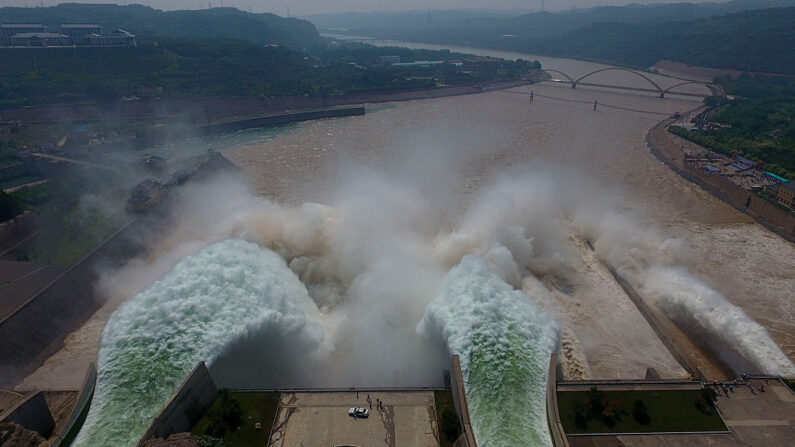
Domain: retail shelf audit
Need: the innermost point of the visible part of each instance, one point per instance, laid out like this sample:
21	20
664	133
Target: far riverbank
213	110
767	215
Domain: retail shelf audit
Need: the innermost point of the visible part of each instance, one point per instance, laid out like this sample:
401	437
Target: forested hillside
146	22
759	123
634	36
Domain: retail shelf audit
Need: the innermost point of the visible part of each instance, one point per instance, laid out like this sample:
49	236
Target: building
482	64
75	34
9	29
388	60
40	40
117	38
421	64
785	194
78	31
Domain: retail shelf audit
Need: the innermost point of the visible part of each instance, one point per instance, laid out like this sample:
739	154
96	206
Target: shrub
227	415
640	412
595	403
9	206
580	419
450	425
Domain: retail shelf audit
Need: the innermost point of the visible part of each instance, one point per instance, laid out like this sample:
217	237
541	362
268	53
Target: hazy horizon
311	7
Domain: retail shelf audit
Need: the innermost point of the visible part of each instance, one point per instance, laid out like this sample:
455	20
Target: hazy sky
304	7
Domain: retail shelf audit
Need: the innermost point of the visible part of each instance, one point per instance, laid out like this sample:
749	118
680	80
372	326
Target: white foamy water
682	296
652	264
225	292
504	342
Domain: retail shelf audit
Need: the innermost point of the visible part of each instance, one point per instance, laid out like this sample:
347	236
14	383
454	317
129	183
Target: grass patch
446	418
790	383
256	407
637	412
19	181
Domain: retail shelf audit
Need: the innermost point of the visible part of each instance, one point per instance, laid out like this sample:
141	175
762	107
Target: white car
358	412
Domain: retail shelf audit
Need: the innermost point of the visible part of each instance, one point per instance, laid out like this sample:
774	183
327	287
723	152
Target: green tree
450	426
9	206
596	403
640	412
225	415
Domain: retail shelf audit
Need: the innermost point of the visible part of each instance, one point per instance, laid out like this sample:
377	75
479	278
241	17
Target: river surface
553	184
600	150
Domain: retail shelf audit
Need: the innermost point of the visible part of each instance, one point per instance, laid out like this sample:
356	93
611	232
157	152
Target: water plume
504	342
207	302
655	265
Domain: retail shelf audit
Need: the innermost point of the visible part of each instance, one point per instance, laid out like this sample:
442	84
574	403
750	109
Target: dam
368	215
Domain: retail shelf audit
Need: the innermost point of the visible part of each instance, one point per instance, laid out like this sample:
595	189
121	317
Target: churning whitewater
369	273
504	341
652	264
223	293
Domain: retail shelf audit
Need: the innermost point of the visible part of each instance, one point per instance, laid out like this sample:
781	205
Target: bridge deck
622	87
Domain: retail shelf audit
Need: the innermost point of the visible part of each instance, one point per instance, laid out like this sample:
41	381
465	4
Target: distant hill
399	20
457	23
146	22
762	40
708	34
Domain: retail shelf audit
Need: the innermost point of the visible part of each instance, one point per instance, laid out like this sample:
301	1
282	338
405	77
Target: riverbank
208	111
771	217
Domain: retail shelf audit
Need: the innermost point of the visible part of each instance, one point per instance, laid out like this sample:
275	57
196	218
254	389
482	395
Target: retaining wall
275	120
762	209
32	413
766	214
723	188
196	394
36	329
79	412
467	438
553	415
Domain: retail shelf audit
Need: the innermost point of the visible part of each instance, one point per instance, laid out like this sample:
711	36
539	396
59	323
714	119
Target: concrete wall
553	416
79	412
764	212
32	413
276	120
725	189
467	438
196	394
36	329
659	326
762	209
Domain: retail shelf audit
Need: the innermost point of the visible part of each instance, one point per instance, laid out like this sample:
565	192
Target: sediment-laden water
736	280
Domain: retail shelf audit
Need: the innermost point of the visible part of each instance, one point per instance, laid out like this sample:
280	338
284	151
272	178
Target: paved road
321	419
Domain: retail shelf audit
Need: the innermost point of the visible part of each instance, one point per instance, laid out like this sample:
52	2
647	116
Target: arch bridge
656	88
